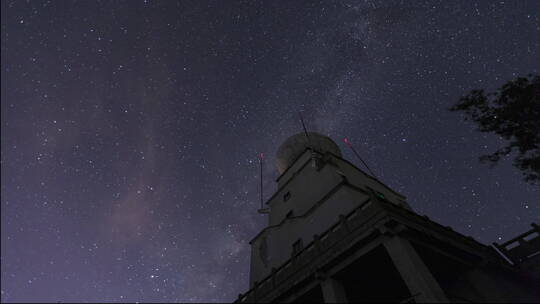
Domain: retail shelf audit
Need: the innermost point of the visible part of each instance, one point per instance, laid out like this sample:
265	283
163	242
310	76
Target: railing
340	235
522	247
320	249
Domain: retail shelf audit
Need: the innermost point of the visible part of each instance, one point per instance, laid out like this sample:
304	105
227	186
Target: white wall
308	186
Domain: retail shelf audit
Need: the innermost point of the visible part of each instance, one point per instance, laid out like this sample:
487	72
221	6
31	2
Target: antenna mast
305	129
262	210
261	157
357	155
314	156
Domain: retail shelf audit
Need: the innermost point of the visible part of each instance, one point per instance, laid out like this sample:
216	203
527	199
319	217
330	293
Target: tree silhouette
512	112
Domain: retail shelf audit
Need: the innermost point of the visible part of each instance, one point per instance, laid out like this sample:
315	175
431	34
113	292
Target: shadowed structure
336	234
296	145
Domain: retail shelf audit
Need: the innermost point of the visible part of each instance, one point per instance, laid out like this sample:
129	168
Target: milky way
131	129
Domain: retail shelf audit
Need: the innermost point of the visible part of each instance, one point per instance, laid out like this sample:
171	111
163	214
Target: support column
414	272
333	291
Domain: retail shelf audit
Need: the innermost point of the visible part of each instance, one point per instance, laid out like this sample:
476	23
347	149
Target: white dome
295	145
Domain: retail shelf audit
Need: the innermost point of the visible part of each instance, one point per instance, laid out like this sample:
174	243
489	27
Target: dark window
286	196
297	246
289	214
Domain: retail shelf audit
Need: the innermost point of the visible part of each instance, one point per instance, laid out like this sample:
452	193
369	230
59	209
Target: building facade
337	234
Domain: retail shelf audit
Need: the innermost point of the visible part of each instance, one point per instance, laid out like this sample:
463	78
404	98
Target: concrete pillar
414	272
333	291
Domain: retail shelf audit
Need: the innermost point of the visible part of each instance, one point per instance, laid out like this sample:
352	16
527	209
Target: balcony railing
522	247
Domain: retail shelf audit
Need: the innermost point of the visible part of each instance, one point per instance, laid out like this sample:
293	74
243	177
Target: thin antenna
357	155
314	156
305	129
261	158
261	162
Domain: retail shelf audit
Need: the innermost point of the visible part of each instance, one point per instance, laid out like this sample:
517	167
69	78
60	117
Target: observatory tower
337	234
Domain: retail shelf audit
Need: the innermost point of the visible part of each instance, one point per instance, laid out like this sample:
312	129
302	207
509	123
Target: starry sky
130	130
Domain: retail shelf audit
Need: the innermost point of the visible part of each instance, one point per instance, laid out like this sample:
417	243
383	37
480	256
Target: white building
337	234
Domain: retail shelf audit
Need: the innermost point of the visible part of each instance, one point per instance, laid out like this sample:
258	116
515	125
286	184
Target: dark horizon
131	130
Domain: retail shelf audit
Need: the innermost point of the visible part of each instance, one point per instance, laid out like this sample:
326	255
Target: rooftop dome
295	145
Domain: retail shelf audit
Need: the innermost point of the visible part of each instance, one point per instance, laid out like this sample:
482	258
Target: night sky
131	129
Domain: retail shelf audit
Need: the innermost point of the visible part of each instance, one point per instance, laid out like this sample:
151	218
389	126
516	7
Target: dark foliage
512	112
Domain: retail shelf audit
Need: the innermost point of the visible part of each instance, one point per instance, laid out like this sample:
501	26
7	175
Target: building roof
295	145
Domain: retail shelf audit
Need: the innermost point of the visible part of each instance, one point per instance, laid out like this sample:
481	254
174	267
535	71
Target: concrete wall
279	239
362	180
308	186
305	189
